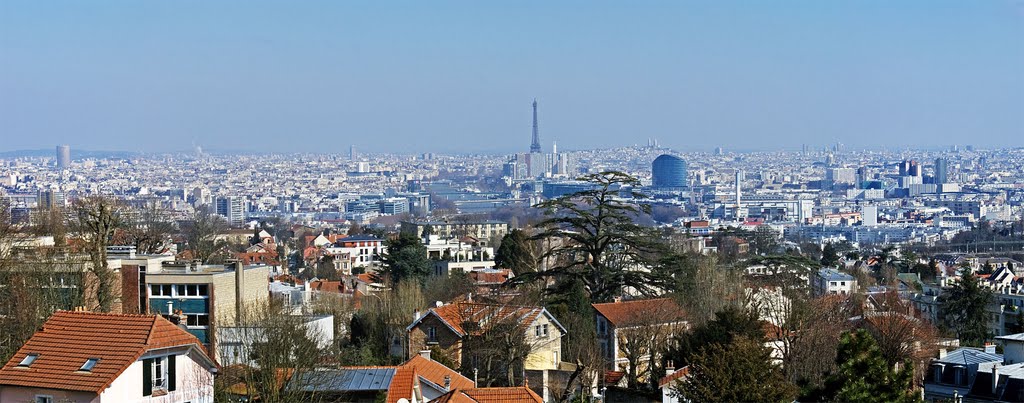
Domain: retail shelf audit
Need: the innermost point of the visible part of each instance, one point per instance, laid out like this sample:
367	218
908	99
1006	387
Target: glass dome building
668	171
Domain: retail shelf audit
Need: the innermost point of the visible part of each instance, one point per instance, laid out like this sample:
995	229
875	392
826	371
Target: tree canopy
963	308
594	237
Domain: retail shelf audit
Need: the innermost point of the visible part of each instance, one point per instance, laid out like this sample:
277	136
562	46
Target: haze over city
460	76
511	202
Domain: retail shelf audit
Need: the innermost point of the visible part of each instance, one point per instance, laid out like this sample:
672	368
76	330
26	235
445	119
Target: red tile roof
665	380
641	312
68	339
456	314
435	372
327	286
401	384
518	394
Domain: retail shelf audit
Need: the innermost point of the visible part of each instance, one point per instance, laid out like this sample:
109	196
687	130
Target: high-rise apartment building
232	208
668	171
941	170
63	156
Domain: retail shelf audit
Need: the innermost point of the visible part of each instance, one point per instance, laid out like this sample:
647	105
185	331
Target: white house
86	357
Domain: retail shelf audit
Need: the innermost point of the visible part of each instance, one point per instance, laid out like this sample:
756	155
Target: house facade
621	325
85	357
449	327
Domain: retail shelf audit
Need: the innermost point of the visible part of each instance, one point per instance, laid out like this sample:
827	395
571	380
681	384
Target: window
44	399
541	330
87	367
28	360
197	319
160	290
158	375
432	334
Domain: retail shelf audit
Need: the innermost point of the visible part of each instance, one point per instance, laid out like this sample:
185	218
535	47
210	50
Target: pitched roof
667	379
401	384
455	315
68	339
641	312
490	395
435	372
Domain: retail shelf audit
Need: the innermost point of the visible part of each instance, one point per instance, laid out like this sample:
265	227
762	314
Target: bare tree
201	232
94	219
149	228
270	348
645	338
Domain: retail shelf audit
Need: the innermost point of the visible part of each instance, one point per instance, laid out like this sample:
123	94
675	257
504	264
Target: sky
459	76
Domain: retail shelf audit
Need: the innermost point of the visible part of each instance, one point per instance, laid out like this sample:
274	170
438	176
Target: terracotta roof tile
640	312
459	313
68	339
665	380
434	372
401	384
518	394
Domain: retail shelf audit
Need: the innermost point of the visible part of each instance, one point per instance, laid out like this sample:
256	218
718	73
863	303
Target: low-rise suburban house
80	357
632	332
449	327
831	281
419	379
978	375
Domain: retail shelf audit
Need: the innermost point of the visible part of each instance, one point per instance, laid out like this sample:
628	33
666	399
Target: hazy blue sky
459	76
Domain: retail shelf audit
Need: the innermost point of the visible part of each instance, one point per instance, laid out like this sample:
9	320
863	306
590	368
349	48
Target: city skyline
456	77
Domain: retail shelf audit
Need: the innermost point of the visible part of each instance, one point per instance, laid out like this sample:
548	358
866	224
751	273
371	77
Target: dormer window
28	360
87	367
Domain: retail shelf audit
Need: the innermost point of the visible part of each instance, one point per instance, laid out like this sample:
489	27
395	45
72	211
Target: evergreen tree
863	375
739	371
729	324
596	239
963	308
406	258
516	253
829	256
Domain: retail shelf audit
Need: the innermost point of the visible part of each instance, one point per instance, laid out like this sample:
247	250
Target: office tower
862	176
232	208
535	146
63	157
739	199
910	168
869	215
50	199
668	171
941	170
719	151
352	152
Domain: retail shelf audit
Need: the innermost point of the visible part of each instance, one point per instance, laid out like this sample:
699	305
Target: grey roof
830	274
970	356
344	380
1012	337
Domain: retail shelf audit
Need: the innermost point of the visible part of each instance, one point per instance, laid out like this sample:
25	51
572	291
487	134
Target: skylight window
89	364
28	360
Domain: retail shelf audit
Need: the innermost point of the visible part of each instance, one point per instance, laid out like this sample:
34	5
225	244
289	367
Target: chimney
170	308
239	282
670	368
995	378
425	354
447	382
617	299
990	348
416	315
942	353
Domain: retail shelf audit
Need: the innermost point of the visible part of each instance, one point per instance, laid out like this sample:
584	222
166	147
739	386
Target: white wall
194	383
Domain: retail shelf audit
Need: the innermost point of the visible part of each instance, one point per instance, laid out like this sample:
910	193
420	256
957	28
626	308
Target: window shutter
171	373
147	377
